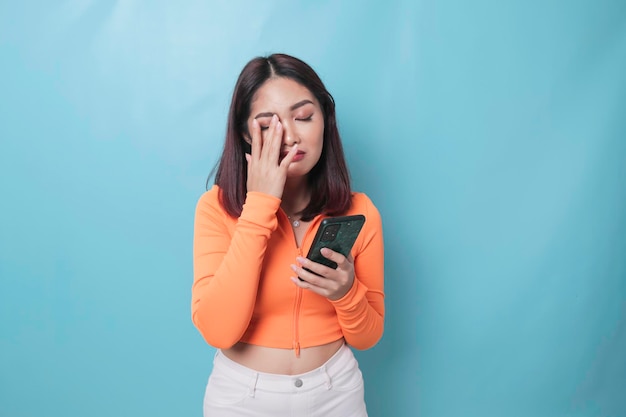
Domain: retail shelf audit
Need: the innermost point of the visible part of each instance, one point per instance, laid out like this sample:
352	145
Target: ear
244	134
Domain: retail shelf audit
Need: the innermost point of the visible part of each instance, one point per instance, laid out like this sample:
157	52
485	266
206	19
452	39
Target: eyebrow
292	108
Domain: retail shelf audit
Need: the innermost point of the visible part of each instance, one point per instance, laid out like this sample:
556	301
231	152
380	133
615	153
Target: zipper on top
298	300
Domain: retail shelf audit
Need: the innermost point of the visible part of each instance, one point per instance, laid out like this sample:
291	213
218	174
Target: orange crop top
242	289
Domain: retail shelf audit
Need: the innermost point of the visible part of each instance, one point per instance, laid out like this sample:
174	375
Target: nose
290	136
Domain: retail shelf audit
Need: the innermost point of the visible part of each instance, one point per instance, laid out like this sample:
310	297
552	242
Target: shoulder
362	204
373	228
210	201
211	196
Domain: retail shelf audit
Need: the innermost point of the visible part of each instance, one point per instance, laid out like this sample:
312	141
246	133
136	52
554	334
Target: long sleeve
227	264
361	311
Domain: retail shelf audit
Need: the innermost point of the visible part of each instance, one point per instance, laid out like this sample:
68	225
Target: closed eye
305	119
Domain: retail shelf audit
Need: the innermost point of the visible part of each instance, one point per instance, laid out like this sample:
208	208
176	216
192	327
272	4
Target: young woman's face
301	116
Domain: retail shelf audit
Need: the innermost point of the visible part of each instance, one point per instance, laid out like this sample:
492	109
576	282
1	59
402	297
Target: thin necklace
294	223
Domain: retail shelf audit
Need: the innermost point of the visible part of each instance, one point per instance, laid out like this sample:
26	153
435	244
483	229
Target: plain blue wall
491	135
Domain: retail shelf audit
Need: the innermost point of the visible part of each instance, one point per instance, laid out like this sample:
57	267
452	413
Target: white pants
333	389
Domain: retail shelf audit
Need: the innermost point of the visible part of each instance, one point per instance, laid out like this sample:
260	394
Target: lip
297	157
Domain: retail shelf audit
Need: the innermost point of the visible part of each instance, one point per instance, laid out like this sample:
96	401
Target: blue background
491	135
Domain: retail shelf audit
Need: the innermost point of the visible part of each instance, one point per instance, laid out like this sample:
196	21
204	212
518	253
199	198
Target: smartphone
338	234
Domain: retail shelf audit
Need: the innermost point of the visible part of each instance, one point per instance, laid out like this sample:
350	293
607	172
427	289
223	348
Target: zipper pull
297	349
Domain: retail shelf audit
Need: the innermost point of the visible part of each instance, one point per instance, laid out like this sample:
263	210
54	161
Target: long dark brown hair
329	179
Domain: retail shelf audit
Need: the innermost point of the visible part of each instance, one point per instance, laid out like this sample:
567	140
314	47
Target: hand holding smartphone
336	233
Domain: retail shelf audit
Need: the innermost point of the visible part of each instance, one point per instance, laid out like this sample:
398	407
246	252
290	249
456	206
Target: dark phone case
346	234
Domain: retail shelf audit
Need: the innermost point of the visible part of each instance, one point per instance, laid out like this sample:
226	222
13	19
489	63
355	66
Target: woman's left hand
327	282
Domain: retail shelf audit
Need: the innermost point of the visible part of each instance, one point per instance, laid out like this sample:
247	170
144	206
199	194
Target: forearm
361	312
223	302
227	268
361	316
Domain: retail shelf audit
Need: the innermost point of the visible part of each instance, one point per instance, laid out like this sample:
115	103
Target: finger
309	277
269	137
256	140
306	285
336	257
266	135
273	141
313	267
321	286
289	157
248	158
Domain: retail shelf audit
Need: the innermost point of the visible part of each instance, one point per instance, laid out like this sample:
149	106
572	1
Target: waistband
342	359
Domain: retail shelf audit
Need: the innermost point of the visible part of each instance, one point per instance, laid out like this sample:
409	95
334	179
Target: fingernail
274	118
293	267
255	123
300	259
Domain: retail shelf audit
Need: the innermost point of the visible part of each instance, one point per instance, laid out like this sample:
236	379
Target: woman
282	332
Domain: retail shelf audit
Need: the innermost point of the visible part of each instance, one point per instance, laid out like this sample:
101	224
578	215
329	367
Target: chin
297	173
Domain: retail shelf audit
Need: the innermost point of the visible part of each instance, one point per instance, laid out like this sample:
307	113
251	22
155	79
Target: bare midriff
282	361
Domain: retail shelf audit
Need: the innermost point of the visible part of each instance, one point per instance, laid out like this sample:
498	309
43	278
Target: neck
296	196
